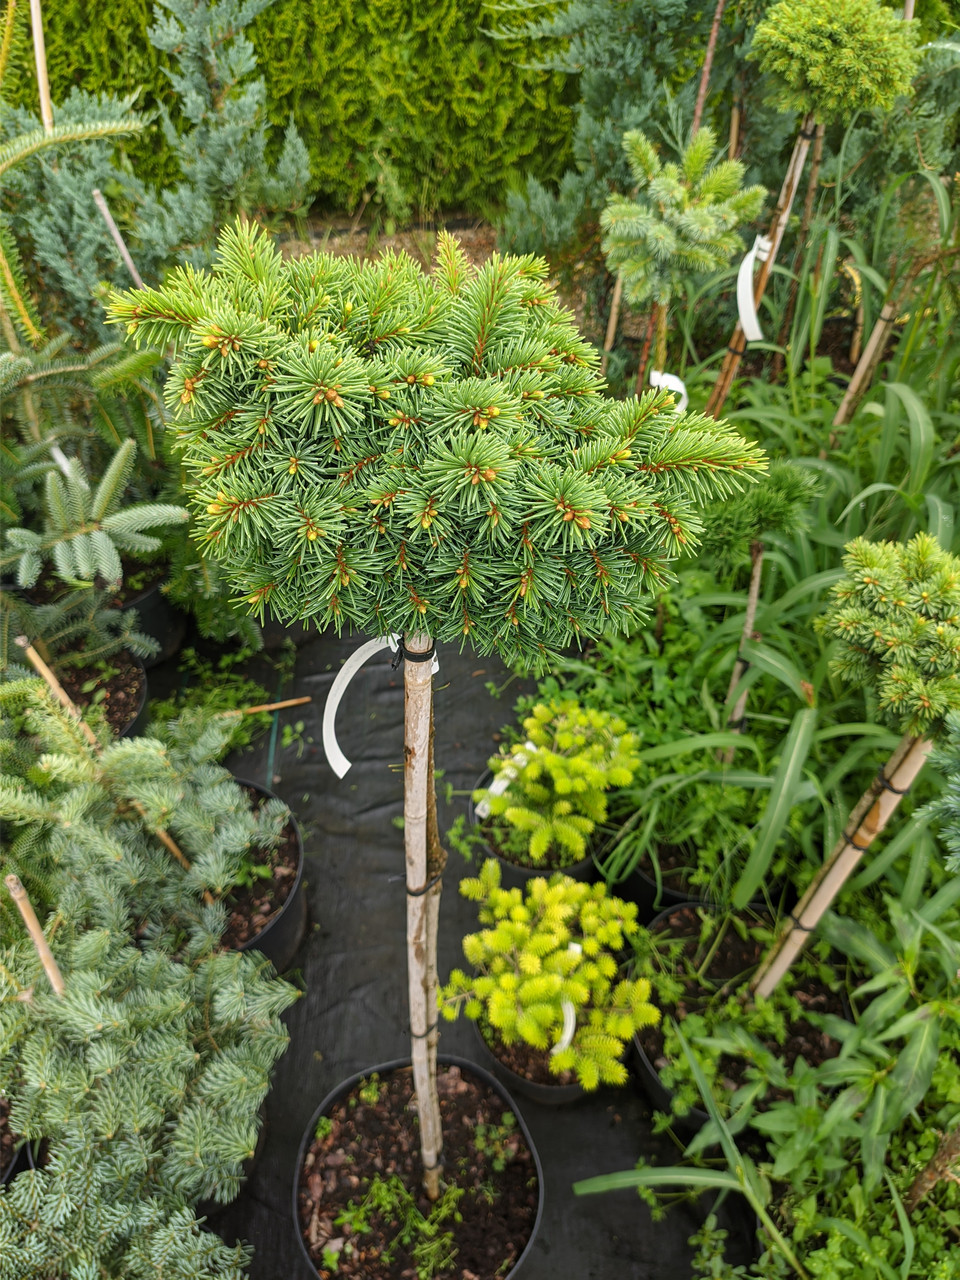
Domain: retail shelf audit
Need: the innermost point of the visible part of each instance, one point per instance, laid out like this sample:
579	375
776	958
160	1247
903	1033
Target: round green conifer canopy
369	444
836	57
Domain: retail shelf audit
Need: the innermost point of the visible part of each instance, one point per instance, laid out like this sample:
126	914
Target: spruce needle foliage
558	779
836	57
683	220
85	529
778	504
556	944
897	614
371	445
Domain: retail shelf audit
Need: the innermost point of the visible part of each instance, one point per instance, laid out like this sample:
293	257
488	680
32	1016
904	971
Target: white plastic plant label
505	777
746	306
670	382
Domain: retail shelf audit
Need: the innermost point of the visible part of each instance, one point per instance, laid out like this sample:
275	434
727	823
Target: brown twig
19	894
266	706
61	695
707	65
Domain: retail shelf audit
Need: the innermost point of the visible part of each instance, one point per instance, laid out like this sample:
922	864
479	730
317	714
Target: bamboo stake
940	1166
418	693
40	54
118	239
872	813
266	706
735	719
816	158
612	322
733	144
61	695
866	366
778	226
19	894
707	66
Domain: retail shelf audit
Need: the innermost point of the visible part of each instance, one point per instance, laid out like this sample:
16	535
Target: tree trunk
778	226
805	221
418	697
868	819
939	1167
436	865
735	718
645	352
707	65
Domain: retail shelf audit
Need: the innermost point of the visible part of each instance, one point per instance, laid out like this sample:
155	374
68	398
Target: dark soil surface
371	1139
253	907
524	1060
675	868
8	1139
122	692
735	960
146	577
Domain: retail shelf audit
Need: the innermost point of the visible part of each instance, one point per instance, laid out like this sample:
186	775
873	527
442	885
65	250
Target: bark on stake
19	894
61	695
781	217
871	815
418	694
707	65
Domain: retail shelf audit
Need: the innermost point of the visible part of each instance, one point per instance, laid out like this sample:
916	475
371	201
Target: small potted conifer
547	797
428	455
545	989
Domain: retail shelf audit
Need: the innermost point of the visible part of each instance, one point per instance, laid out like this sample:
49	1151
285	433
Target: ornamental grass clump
429	455
546	972
556	783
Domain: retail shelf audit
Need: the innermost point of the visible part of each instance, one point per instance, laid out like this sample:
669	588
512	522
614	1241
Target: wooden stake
40	54
19	894
118	239
61	695
778	226
734	720
266	706
612	321
645	352
418	694
866	366
868	819
707	65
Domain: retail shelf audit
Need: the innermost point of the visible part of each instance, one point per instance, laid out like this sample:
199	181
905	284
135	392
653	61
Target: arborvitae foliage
371	445
682	222
559	943
558	780
67	1220
86	529
779	503
161	1066
111	868
897	614
835	57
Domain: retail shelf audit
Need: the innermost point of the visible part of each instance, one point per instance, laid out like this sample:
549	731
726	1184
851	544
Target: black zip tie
806	928
404	653
850	840
887	785
422	1035
737	351
418	893
743	660
738	725
809	136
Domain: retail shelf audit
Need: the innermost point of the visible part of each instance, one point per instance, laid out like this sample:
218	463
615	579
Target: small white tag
672	383
504	778
746	306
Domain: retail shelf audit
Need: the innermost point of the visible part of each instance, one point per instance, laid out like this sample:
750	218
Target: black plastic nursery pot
650	899
345	1087
512	874
160	620
280	938
548	1095
23	1158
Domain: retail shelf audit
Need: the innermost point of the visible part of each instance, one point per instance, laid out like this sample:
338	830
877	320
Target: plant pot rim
251	944
395	1064
578	870
550	1095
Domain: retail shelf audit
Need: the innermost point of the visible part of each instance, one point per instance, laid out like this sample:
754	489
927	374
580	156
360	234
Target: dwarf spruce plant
425	454
546	956
896	615
557	782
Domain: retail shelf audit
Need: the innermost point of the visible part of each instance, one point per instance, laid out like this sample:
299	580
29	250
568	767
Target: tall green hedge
391	87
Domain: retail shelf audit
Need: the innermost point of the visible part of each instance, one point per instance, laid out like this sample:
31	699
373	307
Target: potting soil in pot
253	906
489	1179
122	688
523	1059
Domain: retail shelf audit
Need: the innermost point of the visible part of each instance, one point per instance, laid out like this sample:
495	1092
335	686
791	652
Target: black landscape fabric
352	1014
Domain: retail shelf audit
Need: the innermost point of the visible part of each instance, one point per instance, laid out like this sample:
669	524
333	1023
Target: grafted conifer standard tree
429	455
